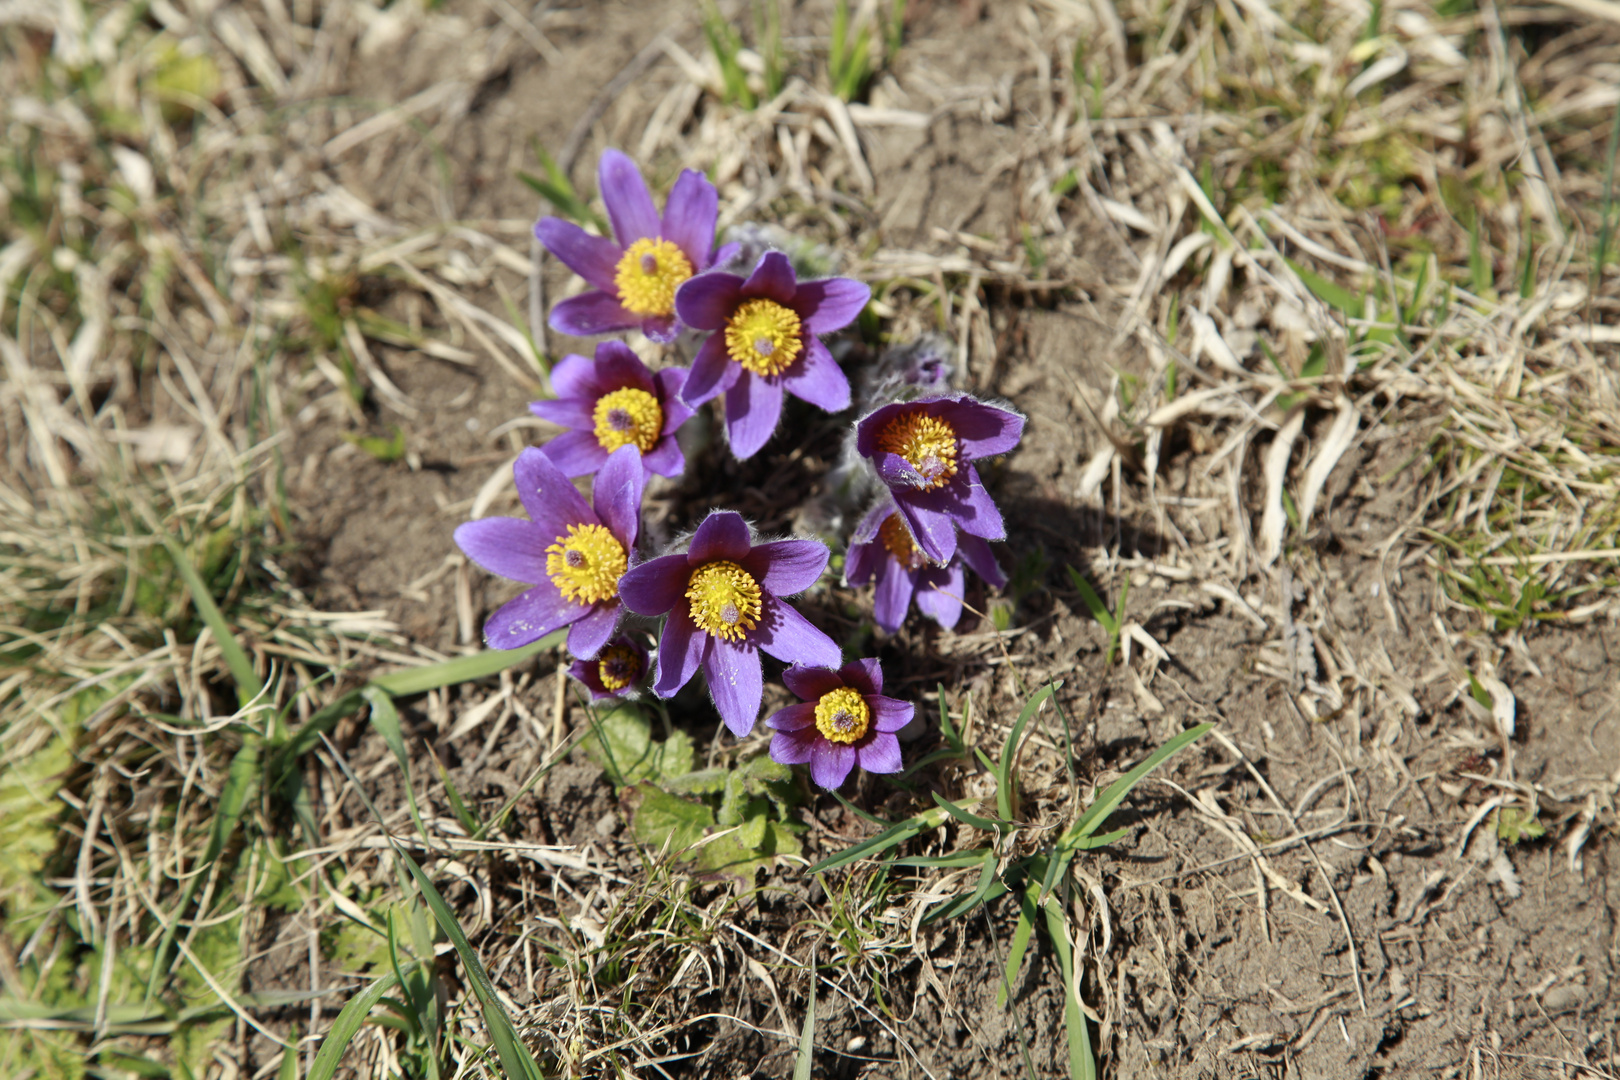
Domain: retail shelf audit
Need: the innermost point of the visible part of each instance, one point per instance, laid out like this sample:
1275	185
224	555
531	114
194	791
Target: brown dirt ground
1203	974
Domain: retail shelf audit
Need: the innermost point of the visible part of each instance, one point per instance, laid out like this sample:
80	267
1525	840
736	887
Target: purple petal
590	314
661	328
530	616
509	547
669	382
791	638
617	494
733	671
547	494
680	651
830	304
818	379
772	279
723	253
973	551
574	376
978	513
785	567
933	529
665	458
984	430
880	753
893	595
793	718
753	408
866	529
810	683
794	747
713	371
617	367
861	562
939	594
572	412
594	258
865	675
723	535
866	430
689	216
576	453
830	763
655	586
587	636
889	714
629	206
706	301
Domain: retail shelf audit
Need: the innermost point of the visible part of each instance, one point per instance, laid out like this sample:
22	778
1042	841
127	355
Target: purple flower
572	555
635	277
723	599
845	721
764	344
615	670
924	451
614	401
882	549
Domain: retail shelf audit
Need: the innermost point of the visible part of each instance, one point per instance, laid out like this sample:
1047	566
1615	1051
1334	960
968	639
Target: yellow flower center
725	599
842	715
898	541
763	336
648	275
628	417
586	565
926	442
618	667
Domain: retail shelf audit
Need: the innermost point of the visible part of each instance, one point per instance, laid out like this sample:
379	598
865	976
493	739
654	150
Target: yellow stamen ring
648	274
628	417
842	715
586	565
726	600
618	667
763	336
898	542
926	442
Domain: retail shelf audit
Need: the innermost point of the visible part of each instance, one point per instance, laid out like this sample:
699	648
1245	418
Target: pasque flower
881	550
613	401
571	554
924	451
636	274
764	344
723	597
845	721
615	670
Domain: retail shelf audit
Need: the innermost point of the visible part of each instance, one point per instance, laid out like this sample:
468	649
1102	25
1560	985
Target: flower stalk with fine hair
615	670
881	550
924	450
845	721
723	598
614	401
635	275
572	555
764	344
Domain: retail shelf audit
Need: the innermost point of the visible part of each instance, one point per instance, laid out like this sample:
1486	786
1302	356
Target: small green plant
1111	621
725	43
380	449
854	54
558	190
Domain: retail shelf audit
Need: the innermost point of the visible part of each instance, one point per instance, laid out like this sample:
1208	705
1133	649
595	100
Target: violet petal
680	651
753	409
661	328
547	494
889	714
587	636
865	675
984	430
939	594
818	379
576	453
880	753
791	638
713	372
706	301
594	258
570	412
794	747
830	763
973	551
933	530
629	205
830	304
979	513
785	567
689	216
893	594
793	718
575	376
617	368
861	562
665	458
590	314
772	279
811	682
617	494
669	382
655	586
508	547
530	616
733	672
722	535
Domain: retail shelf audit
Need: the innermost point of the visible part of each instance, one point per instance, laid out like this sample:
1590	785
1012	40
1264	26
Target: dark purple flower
924	451
723	596
635	276
573	556
764	344
610	402
882	549
615	670
845	721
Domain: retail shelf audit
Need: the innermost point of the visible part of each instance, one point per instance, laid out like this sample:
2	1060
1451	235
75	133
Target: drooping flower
572	555
764	344
924	451
723	597
615	670
881	549
845	721
614	401
635	275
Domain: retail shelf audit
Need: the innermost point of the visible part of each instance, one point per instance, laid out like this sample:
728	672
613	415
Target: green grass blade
289	1064
346	1026
247	681
1082	1064
1015	953
807	1035
969	818
1009	750
954	861
1093	602
420	680
1115	793
385	718
883	841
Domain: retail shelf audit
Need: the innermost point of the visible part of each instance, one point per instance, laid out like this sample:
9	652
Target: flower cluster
752	338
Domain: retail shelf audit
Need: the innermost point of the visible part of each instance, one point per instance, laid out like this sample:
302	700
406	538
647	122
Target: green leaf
807	1034
420	680
386	450
621	741
385	718
1009	750
893	836
990	825
1020	943
1330	293
248	686
955	860
346	1027
1115	793
661	819
1082	1065
989	887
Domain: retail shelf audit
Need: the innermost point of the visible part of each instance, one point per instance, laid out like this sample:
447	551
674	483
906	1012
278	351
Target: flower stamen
628	417
763	336
842	715
926	442
586	564
648	274
898	542
618	667
725	599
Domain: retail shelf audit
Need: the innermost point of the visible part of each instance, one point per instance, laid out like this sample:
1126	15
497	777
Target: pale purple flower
924	451
571	554
764	344
613	401
635	275
615	670
845	721
882	550
723	598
